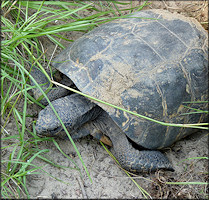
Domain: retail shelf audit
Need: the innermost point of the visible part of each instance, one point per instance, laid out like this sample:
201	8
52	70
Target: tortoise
149	63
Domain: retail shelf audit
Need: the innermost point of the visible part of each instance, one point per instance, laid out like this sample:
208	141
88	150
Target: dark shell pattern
149	66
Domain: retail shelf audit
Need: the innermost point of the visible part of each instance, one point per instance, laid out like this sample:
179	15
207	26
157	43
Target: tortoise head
47	123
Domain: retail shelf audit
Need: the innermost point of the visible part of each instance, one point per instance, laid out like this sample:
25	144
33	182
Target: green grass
23	24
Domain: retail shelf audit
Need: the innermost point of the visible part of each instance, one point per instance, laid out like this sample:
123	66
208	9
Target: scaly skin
130	158
74	110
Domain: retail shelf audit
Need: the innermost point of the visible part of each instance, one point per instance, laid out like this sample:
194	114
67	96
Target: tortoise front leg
130	158
87	129
74	111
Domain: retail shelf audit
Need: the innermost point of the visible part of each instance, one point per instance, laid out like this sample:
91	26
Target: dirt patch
109	181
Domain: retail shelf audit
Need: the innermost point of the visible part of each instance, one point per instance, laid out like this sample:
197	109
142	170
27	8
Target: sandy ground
108	180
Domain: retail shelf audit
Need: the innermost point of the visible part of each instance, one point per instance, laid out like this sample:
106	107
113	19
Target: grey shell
149	66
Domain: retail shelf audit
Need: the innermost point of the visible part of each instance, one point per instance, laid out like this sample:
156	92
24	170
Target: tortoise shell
150	63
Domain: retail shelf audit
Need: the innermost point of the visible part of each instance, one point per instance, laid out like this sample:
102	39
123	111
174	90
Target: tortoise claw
97	134
106	140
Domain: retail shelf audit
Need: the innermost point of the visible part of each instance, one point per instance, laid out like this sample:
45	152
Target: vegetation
23	24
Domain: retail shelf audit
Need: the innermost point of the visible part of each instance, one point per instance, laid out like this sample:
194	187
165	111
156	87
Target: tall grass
23	23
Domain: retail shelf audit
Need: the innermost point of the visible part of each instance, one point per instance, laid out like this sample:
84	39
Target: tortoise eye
54	132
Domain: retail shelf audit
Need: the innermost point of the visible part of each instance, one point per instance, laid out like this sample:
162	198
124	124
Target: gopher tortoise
150	63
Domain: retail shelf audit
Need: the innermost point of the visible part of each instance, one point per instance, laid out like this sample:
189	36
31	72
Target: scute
143	65
167	45
197	75
128	50
82	54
